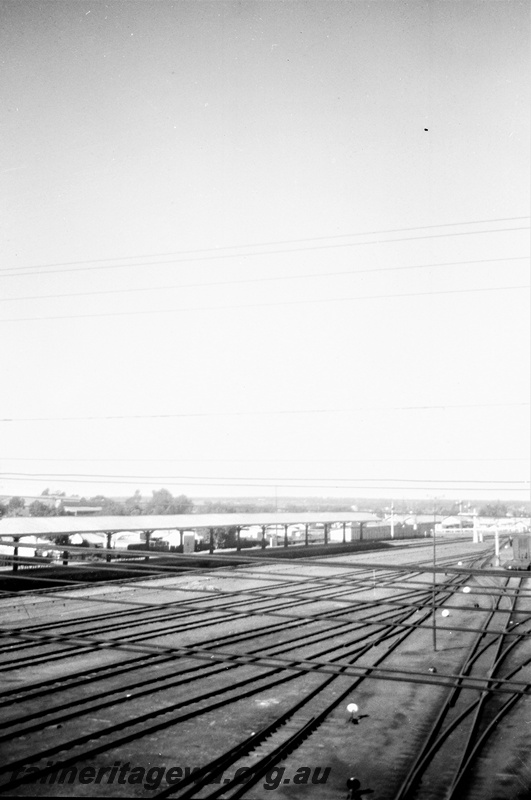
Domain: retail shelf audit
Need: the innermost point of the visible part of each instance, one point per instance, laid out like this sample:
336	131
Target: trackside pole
434	622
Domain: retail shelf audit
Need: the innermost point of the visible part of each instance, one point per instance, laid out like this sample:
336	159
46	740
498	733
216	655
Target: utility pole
496	543
433	585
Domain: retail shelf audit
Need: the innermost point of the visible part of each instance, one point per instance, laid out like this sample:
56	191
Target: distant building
73	509
457	521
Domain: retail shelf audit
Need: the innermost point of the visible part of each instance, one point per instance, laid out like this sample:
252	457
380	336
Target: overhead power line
272	243
274	480
14	271
135	460
355	484
267	279
277	303
277	412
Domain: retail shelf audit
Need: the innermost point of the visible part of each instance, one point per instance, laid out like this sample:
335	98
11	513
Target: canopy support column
15	554
148	538
109	542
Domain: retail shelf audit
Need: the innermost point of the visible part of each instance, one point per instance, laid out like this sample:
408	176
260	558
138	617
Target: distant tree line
161	502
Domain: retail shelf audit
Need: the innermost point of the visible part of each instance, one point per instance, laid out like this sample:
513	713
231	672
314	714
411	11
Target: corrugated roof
10	526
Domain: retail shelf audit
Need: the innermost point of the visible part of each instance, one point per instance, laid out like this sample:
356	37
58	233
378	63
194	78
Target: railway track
443	767
289	622
143	614
219	611
338	634
325	695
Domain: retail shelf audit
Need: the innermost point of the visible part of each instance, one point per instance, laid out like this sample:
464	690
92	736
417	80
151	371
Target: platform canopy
31	526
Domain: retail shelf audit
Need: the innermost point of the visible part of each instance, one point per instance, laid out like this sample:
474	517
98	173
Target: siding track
170	656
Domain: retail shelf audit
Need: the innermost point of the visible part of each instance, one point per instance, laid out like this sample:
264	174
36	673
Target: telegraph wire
273	243
263	460
13	271
356	484
311	275
81	476
277	412
261	305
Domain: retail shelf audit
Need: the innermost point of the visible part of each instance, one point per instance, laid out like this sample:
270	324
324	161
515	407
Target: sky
265	247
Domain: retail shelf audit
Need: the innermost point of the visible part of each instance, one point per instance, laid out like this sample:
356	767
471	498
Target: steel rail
65	585
17	694
170	611
288	585
299	665
89	737
465	753
88	644
435	736
192	608
225	612
480	741
262	766
152	714
234	614
435	745
268	761
174	678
